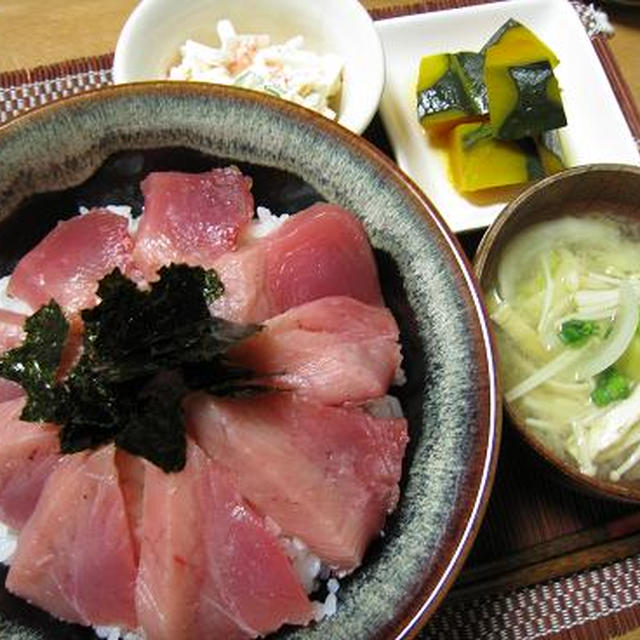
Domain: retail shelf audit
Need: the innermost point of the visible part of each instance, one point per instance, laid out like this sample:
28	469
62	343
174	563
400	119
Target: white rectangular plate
596	129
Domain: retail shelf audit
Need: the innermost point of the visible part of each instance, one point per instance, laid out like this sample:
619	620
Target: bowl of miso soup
560	274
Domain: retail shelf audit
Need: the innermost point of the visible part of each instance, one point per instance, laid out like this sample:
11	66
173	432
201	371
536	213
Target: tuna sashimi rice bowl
216	381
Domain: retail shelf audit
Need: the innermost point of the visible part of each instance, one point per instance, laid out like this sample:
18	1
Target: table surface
69	29
31	36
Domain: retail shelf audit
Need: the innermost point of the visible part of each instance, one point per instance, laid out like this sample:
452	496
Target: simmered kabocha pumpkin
499	109
524	97
549	147
514	36
450	90
480	161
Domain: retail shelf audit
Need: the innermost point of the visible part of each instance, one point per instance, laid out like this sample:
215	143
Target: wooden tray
535	529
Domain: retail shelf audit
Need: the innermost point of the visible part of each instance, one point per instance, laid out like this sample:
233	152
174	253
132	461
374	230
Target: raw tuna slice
321	251
75	556
171	558
191	218
68	263
326	475
28	454
131	477
333	349
209	567
9	390
11	331
11	335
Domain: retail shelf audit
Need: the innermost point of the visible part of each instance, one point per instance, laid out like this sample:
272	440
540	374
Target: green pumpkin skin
524	100
450	90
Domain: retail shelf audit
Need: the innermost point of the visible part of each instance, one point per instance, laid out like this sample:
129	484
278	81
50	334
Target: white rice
8	543
123	210
312	572
265	223
385	407
329	607
117	633
9	303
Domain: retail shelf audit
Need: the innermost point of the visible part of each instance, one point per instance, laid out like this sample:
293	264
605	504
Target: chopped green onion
611	385
577	332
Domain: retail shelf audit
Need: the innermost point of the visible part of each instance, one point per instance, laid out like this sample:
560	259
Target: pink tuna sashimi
10	390
68	263
171	557
327	475
11	335
209	567
70	354
191	218
28	454
131	478
333	350
75	556
11	329
321	251
246	565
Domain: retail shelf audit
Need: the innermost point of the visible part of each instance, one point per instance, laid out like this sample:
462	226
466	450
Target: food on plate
550	152
502	102
211	564
179	224
173	473
334	349
450	89
288	455
28	454
524	100
68	263
251	61
565	304
523	93
11	328
479	160
81	571
321	251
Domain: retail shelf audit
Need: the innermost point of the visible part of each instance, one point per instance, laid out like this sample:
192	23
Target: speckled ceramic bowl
94	149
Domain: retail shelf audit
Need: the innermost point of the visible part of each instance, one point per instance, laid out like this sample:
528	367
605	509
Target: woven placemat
25	89
599	603
594	604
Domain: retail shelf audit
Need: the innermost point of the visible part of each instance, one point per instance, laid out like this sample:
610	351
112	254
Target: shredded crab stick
252	62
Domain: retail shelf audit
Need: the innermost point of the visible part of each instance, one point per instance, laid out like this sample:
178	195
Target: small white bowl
149	42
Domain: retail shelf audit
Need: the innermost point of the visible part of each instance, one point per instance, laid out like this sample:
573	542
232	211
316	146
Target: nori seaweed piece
34	364
143	351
